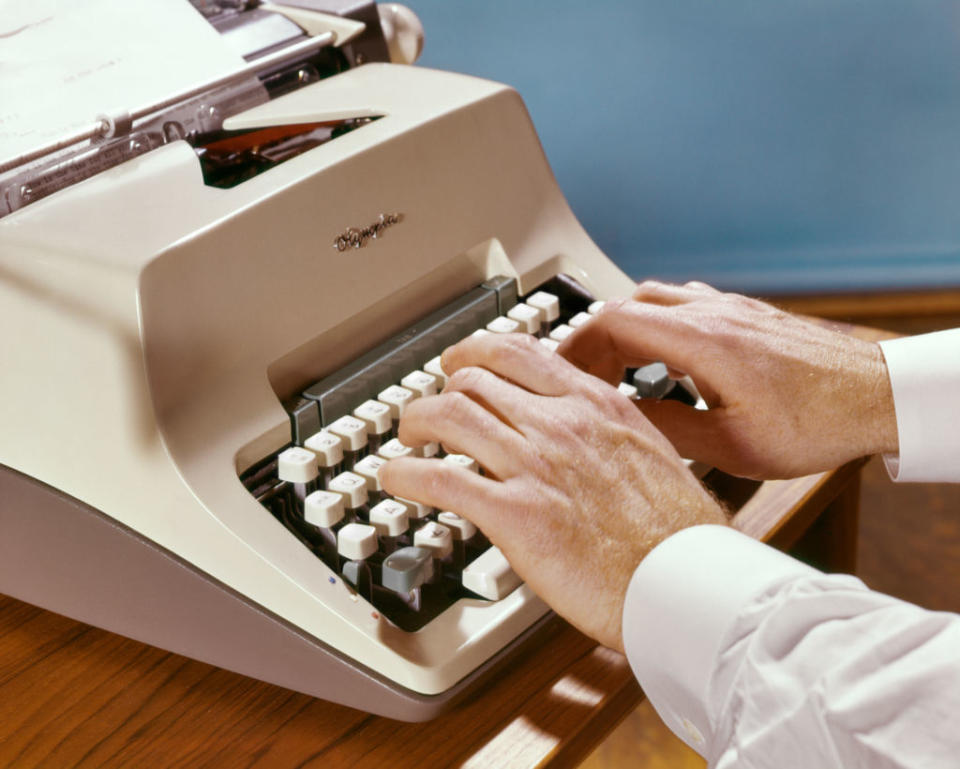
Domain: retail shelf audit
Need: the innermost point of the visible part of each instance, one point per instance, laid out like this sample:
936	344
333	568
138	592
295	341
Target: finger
635	333
464	425
445	486
517	357
590	349
705	436
511	403
669	294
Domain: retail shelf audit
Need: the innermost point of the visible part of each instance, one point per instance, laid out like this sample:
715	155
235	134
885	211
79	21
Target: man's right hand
786	397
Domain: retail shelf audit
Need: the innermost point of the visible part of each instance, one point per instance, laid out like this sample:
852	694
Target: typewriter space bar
387	363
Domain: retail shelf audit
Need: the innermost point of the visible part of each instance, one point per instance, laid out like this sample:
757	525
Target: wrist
878	415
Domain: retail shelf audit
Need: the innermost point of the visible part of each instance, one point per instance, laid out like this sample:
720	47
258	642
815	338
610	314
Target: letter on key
369	469
323	509
297	465
436	538
389	518
353	431
327	446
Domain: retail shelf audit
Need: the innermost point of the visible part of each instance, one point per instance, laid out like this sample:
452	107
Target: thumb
694	433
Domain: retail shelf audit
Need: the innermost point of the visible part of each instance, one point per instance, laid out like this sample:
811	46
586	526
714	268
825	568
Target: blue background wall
764	146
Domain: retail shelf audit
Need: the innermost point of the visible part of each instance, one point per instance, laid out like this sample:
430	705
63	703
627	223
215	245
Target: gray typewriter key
653	381
358	574
405	571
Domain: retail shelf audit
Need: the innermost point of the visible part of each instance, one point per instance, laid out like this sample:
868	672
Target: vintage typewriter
214	313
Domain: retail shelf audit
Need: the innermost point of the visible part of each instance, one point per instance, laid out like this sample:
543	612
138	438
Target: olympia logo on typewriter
358	237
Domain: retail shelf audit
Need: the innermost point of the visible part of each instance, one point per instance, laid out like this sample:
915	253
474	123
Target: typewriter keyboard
409	560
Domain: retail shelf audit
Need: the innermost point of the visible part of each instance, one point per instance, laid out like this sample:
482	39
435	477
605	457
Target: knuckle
647	287
613	306
457	405
467	379
513	347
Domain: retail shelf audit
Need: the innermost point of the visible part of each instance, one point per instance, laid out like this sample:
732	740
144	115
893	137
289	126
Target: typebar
337	394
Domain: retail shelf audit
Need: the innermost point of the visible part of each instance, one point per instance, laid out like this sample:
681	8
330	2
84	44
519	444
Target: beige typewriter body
152	326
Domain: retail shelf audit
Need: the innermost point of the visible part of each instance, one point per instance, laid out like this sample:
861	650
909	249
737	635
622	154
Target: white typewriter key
420	382
297	465
528	317
480	332
327	447
357	541
323	509
376	416
434	537
462	528
389	518
433	366
427	450
560	332
416	511
393	449
397	398
462	460
503	325
628	389
580	319
369	469
353	431
595	307
353	487
547	304
550	344
490	576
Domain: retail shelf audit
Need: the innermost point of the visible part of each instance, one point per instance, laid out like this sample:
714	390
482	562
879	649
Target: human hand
579	487
787	397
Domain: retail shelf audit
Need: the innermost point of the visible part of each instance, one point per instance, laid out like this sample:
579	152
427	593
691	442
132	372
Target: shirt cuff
925	379
681	601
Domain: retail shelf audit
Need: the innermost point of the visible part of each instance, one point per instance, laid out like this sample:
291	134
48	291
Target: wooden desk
75	696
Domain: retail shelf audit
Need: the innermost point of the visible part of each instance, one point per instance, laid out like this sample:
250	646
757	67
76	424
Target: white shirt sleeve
756	660
925	377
